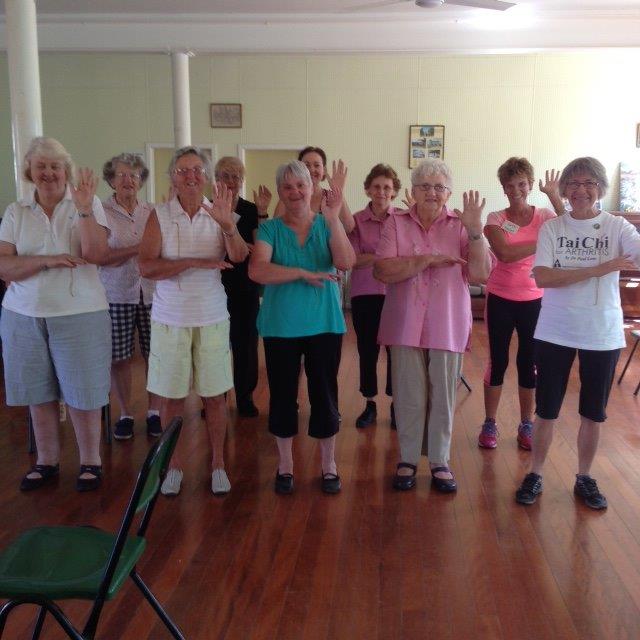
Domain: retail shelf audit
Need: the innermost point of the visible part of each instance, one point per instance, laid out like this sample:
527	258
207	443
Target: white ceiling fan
498	5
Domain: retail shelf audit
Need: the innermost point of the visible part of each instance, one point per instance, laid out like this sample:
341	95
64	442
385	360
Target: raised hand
332	202
64	261
338	175
551	185
408	200
85	190
221	210
471	214
262	199
318	278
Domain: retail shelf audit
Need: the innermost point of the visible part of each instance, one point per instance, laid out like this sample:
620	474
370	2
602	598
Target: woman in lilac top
367	294
427	256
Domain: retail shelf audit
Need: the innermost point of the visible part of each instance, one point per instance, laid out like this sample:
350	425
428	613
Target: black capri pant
503	316
596	371
283	357
365	313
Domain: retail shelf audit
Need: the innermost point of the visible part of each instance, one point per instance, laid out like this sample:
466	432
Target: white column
181	98
24	81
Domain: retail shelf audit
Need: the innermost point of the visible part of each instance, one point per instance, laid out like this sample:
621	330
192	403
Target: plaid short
124	320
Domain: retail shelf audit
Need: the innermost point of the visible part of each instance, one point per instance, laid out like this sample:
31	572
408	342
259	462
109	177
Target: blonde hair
48	148
229	162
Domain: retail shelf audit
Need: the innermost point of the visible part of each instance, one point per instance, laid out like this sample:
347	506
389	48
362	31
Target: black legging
503	316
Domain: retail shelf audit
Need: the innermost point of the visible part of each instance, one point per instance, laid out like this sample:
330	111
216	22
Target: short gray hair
185	151
133	160
587	165
431	167
47	148
295	169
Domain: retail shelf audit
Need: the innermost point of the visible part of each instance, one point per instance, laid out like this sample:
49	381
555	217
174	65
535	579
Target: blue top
296	309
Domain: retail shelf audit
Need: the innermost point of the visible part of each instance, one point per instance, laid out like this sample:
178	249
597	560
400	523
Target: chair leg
465	383
45	605
175	632
106	421
37	629
626	364
31	441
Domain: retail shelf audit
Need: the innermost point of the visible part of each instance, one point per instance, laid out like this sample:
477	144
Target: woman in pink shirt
513	299
367	294
427	256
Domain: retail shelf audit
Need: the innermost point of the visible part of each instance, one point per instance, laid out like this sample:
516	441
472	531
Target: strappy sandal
444	485
47	473
89	484
402	482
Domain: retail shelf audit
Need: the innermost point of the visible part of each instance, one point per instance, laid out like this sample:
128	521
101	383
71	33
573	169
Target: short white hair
47	148
431	167
295	169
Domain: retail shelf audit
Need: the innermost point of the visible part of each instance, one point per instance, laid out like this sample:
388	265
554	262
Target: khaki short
181	354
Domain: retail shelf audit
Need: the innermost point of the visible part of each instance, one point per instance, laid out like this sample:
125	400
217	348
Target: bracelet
230	235
84	215
477	236
44	267
263	216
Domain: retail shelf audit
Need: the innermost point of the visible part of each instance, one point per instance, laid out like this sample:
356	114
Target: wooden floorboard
368	563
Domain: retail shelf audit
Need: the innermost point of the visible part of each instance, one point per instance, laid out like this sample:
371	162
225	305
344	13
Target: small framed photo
225	115
425	141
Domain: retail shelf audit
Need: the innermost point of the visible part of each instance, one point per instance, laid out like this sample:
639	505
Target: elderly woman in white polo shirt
128	294
183	250
56	333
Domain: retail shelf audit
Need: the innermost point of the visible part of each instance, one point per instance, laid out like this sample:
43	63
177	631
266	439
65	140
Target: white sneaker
171	484
220	482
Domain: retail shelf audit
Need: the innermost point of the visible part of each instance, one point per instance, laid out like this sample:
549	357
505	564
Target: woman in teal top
296	257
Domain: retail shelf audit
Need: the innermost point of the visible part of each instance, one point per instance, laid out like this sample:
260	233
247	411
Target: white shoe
220	482
171	484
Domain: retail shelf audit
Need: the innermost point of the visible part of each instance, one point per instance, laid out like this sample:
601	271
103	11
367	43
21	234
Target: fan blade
373	5
483	4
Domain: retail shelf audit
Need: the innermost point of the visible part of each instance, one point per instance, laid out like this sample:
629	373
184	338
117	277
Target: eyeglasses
573	185
438	188
197	171
232	177
132	176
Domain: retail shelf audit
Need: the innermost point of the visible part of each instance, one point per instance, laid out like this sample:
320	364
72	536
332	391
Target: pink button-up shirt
365	238
431	310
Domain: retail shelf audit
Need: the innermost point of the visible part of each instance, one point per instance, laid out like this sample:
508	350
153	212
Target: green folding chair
59	563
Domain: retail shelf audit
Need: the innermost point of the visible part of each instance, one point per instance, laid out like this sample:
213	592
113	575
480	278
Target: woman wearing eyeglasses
129	296
183	250
578	262
427	256
367	294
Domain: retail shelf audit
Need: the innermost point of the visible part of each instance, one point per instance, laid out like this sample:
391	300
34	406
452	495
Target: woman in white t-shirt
56	333
578	262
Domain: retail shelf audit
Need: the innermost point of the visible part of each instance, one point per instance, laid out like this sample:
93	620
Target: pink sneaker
525	430
488	438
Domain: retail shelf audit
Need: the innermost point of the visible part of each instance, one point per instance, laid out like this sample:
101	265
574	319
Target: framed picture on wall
425	141
225	115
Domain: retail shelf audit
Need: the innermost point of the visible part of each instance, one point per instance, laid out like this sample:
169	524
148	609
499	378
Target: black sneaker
587	489
529	489
154	428
123	429
368	416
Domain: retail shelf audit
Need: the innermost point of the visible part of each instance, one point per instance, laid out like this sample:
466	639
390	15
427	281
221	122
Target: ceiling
330	26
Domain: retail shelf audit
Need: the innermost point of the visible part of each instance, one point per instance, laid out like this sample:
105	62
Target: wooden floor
369	563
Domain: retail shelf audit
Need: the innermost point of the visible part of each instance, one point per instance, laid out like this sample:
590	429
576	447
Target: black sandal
404	483
284	483
331	483
89	484
444	485
47	473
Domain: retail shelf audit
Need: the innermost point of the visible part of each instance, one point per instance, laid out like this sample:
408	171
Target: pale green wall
549	107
